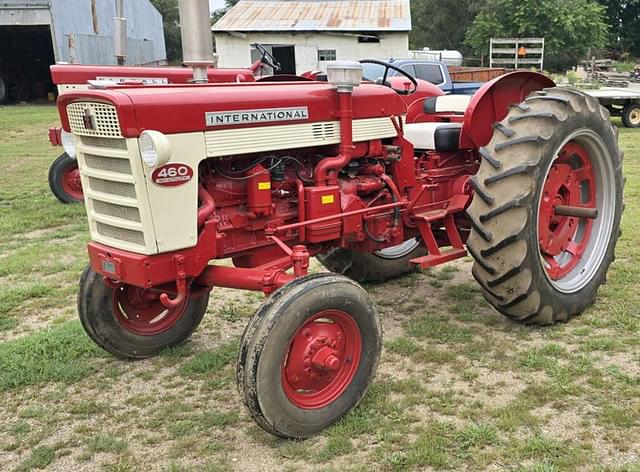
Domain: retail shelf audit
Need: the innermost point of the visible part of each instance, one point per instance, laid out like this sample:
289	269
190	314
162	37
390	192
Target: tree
441	25
624	18
220	12
570	27
171	23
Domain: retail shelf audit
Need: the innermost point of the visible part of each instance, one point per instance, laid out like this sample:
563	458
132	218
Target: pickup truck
435	72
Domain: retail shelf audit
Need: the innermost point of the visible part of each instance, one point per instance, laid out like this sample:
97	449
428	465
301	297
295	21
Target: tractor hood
190	108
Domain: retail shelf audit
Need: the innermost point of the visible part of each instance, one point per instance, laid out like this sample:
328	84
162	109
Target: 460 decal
172	175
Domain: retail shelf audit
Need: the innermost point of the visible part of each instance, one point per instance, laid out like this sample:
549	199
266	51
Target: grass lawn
459	387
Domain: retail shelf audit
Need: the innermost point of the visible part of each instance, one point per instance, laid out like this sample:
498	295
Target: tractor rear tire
111	319
535	264
377	267
631	116
64	179
309	355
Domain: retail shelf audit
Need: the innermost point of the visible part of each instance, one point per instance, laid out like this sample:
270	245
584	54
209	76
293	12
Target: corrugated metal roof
316	15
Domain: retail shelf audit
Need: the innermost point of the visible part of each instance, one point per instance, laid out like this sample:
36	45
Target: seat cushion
433	136
447	104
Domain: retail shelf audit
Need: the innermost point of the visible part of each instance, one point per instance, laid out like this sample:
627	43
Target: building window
326	54
370	38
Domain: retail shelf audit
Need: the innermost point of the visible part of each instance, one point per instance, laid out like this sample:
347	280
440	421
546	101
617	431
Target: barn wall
234	51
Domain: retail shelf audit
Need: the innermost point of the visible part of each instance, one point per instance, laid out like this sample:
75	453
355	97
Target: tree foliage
171	23
570	27
441	25
623	17
219	13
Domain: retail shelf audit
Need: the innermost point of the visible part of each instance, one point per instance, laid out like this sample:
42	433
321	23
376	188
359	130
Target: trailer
620	102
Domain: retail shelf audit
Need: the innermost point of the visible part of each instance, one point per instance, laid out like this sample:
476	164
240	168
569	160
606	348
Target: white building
304	34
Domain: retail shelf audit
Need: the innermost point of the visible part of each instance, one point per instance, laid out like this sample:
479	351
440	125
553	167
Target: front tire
131	322
553	152
64	179
377	267
308	355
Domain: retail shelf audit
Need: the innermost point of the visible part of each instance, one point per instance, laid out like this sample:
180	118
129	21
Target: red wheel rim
321	360
570	183
71	183
140	311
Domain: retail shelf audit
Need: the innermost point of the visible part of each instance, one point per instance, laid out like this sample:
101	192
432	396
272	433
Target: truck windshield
372	72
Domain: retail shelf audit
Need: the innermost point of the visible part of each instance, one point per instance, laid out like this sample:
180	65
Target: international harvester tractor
375	180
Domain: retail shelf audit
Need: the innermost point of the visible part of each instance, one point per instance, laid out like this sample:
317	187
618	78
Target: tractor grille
94	119
114	189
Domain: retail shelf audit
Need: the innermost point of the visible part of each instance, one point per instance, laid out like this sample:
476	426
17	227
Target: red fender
491	102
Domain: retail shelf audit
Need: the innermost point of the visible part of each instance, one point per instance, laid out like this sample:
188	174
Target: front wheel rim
634	116
321	360
572	249
141	312
72	184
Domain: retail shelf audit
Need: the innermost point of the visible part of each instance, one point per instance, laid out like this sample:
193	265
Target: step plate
434	260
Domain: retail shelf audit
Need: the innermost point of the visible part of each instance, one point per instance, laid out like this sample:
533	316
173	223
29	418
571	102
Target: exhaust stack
197	47
120	33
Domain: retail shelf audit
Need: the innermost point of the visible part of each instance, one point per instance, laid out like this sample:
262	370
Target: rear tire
4	91
377	267
631	115
64	179
534	265
101	307
309	355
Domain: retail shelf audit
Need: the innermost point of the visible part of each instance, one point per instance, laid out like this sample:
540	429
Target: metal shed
37	33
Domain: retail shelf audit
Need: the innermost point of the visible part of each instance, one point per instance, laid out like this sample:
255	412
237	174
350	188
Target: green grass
458	387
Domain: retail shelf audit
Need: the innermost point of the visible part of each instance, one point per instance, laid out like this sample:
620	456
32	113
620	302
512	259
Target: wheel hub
141	312
322	359
568	193
72	183
634	117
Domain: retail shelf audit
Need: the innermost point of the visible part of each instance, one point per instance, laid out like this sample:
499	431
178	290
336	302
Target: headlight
154	148
68	143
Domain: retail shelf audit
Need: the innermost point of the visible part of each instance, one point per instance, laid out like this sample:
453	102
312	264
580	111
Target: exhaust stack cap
344	74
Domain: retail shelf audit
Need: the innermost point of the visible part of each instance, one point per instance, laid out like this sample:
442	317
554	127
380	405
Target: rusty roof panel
317	15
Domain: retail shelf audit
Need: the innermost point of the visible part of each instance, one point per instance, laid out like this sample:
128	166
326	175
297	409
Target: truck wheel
547	206
308	355
64	179
4	91
130	321
631	115
377	267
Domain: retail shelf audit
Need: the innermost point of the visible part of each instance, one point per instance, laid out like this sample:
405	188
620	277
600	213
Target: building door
285	54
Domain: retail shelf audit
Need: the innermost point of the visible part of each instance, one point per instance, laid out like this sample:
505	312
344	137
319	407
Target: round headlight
155	149
68	143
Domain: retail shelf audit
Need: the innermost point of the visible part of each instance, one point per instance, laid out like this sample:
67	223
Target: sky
215	4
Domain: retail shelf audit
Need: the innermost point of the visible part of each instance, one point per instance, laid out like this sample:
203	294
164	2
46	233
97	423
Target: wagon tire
100	308
377	267
631	115
64	179
534	264
309	355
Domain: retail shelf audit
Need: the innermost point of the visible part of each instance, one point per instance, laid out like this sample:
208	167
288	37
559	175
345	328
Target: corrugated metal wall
82	29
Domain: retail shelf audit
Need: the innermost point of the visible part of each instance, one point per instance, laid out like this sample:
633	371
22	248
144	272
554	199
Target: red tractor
374	180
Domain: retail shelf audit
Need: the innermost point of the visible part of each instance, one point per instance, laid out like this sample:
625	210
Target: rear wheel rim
140	311
571	249
321	360
71	183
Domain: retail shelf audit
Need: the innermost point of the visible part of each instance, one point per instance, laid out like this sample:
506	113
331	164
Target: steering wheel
267	57
388	67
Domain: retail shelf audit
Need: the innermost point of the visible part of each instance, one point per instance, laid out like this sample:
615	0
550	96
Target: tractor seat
433	136
455	104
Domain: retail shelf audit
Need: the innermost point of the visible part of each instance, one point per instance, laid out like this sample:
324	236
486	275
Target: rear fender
491	102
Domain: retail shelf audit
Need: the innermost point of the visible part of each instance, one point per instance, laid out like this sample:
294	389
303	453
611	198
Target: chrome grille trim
103	117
